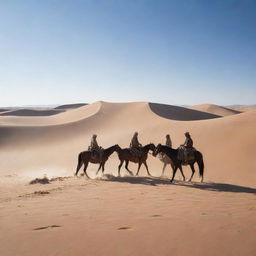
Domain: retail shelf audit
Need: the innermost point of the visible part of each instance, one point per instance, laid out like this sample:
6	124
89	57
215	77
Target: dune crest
180	113
63	117
31	112
215	109
71	106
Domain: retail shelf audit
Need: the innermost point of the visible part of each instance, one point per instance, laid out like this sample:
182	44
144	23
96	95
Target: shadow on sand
153	181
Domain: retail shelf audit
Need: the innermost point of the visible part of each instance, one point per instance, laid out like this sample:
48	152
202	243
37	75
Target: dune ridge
244	108
215	109
31	112
62	117
71	106
180	113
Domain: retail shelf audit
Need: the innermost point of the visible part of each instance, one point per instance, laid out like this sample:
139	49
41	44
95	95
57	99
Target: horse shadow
151	181
218	187
209	186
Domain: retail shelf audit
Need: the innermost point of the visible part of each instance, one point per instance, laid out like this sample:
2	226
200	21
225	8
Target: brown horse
86	157
125	155
173	155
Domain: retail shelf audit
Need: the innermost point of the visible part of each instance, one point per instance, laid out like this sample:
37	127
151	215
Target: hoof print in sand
124	228
156	215
41	192
52	226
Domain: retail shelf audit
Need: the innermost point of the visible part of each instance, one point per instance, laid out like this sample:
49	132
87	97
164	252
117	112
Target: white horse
166	160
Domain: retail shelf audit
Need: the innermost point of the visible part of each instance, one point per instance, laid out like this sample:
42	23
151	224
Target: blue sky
174	52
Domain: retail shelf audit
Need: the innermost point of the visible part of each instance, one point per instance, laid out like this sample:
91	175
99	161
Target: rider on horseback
135	145
168	141
95	148
188	142
186	150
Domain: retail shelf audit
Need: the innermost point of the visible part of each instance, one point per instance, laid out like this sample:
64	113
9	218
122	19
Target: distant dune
180	113
215	109
4	109
31	112
71	106
244	108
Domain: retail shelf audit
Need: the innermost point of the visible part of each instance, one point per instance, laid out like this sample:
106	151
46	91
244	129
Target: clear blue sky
175	52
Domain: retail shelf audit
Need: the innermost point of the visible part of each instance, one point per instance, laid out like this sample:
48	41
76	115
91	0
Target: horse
173	155
165	160
86	157
125	155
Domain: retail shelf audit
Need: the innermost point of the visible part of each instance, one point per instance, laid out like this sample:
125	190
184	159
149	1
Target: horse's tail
80	162
201	166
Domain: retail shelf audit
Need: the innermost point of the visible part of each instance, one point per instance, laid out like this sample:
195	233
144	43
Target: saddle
96	153
136	151
186	155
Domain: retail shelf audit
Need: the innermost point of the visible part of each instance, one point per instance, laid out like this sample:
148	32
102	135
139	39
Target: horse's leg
193	171
165	164
103	167
85	167
119	167
200	163
79	164
180	167
126	167
145	163
98	169
139	165
174	172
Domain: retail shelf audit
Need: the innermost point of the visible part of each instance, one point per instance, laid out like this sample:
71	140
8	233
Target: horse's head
152	147
117	148
157	150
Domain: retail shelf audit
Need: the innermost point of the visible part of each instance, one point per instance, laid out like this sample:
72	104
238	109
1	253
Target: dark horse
173	155
127	156
86	157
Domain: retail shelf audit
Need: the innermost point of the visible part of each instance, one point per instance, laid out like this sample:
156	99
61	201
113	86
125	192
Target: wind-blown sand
127	215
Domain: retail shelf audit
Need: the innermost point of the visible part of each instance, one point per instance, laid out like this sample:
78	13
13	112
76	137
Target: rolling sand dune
215	109
180	113
4	109
71	106
65	117
245	108
31	112
226	138
127	215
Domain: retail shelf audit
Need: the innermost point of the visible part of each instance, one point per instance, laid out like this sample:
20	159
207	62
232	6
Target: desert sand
109	215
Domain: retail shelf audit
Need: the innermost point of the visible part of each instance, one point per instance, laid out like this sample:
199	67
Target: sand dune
215	109
71	106
31	112
245	108
63	117
140	215
180	113
4	109
226	138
